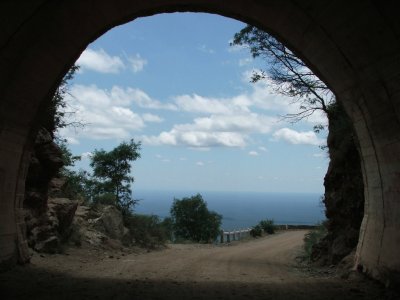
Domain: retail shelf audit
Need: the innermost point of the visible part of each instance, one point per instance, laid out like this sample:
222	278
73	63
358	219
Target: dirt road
259	269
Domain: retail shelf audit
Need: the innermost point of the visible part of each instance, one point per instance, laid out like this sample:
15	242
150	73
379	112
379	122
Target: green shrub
268	226
105	199
147	230
313	237
193	221
256	231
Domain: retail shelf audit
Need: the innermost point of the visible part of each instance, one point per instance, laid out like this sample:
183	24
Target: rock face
48	220
344	192
110	222
46	161
46	230
100	226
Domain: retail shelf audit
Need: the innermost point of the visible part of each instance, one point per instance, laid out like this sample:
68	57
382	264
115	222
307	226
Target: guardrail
237	235
230	236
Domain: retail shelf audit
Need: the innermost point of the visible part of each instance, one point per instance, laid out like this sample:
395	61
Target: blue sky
173	82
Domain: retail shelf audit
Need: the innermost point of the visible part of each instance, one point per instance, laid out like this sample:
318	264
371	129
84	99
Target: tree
192	220
55	112
289	75
112	170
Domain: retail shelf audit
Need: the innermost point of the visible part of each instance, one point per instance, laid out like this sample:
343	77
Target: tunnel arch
354	47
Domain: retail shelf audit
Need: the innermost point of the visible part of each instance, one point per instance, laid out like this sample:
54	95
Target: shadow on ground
30	282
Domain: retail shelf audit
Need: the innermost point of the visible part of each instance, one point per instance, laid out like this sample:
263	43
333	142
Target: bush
147	230
312	238
105	199
256	231
268	226
193	221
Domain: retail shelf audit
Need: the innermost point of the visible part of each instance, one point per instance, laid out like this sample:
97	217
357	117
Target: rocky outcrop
48	220
344	192
46	161
47	230
99	226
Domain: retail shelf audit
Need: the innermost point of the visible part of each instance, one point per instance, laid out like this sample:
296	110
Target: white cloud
100	61
253	153
200	163
214	131
262	149
261	96
247	123
297	138
86	155
107	114
137	63
152	118
198	104
131	95
196	139
245	61
205	49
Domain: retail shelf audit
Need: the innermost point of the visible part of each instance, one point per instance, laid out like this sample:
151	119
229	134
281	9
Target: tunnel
353	46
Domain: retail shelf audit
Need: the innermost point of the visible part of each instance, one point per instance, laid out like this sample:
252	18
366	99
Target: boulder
47	230
100	226
111	223
62	211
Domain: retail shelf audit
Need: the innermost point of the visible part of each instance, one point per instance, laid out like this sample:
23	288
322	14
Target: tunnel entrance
360	66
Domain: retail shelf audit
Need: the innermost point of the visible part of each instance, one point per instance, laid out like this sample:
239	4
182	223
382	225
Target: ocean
241	209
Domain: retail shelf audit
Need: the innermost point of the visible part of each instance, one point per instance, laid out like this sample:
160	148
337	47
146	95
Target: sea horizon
240	209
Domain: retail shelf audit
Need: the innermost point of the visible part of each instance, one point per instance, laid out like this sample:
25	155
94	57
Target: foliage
288	74
256	231
55	111
68	158
147	230
192	220
268	226
313	237
112	169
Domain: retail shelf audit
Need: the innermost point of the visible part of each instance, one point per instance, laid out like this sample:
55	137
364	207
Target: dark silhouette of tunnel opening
353	47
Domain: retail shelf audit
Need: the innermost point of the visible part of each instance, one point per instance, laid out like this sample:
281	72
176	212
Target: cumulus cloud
126	96
152	118
198	104
246	123
196	139
261	96
137	63
107	114
294	137
100	61
214	131
253	153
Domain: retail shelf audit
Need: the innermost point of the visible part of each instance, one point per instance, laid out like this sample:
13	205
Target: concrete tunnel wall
354	46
